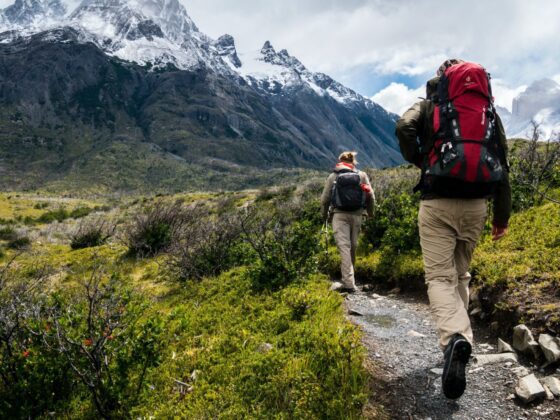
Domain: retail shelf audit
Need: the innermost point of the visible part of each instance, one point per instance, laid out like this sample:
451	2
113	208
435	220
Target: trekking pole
326	231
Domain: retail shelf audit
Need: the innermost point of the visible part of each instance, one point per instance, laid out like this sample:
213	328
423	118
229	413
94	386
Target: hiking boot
456	357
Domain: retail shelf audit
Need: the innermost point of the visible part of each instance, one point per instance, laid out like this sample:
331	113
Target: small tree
535	171
107	348
91	233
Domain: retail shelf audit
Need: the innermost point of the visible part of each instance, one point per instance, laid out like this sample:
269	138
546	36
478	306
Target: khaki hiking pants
346	227
449	231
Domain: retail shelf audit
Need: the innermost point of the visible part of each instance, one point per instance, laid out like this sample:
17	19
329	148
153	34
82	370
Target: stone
488	359
550	347
476	311
353	312
520	371
416	334
367	287
437	371
523	341
336	286
553	384
529	389
395	291
376	296
474	298
549	395
265	348
476	370
504	347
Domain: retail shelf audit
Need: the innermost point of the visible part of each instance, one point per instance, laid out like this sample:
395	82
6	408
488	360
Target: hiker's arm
370	202
502	195
409	128
326	197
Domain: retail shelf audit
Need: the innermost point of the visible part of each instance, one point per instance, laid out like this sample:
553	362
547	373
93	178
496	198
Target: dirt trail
400	336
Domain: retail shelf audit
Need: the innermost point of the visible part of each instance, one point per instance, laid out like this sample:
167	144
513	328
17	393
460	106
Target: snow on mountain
159	33
540	103
26	13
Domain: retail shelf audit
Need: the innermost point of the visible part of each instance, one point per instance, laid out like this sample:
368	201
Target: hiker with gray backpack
346	198
457	140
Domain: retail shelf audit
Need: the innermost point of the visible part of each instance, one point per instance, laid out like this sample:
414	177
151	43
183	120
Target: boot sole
454	381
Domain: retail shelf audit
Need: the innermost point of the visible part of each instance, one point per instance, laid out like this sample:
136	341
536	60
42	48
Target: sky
387	49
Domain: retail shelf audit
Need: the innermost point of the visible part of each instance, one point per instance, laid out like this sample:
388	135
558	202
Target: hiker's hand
498	232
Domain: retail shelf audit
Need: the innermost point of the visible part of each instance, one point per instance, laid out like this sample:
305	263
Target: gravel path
400	336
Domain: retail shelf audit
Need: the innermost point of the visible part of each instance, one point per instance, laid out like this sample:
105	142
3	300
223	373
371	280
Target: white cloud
556	78
504	94
397	97
515	39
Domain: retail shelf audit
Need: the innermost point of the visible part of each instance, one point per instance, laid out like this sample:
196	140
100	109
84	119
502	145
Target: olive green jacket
416	124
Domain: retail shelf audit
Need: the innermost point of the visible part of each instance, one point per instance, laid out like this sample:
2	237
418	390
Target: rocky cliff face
539	103
140	72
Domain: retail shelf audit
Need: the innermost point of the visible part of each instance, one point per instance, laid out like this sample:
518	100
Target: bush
285	250
155	230
108	348
394	226
535	171
208	248
91	233
58	215
20	243
8	233
33	376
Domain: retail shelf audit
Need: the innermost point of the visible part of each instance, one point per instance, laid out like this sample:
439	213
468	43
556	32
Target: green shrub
91	233
109	348
8	233
394	226
34	376
20	243
208	248
58	215
285	252
154	230
41	206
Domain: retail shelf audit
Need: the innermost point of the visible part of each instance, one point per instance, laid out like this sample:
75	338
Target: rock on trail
401	337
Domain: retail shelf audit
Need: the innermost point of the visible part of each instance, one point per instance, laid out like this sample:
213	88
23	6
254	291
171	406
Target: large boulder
550	346
529	389
523	341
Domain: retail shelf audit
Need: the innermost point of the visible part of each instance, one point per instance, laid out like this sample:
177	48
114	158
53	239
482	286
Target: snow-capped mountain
32	13
540	103
160	32
142	70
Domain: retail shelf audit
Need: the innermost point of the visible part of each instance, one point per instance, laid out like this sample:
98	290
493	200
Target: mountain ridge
144	73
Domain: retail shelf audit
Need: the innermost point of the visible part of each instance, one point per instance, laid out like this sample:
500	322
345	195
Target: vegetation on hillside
192	306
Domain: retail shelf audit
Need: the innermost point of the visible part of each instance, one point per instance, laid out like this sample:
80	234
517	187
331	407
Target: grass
246	353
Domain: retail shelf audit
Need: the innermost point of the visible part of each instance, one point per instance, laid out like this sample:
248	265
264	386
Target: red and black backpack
463	157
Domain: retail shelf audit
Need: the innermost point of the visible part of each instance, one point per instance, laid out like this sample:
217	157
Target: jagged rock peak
282	58
225	46
26	12
156	18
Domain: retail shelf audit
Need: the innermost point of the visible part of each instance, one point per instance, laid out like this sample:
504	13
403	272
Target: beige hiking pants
449	231
346	227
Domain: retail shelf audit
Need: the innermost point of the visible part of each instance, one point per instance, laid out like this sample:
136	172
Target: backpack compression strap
449	116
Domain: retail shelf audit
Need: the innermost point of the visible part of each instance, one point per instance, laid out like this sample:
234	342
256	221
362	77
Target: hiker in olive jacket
455	184
347	224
